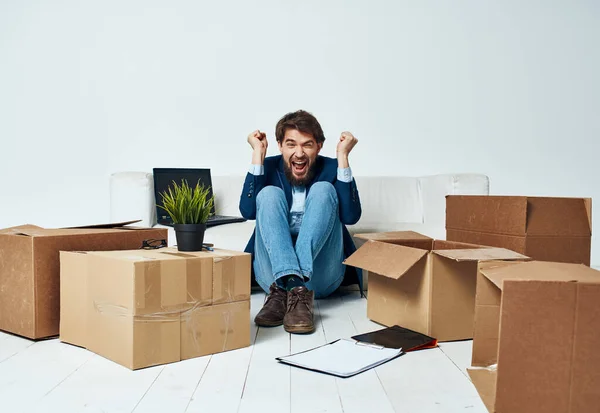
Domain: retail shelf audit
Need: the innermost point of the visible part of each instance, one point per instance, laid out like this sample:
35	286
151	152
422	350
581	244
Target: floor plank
352	391
222	384
11	345
32	373
267	387
174	387
427	381
313	392
460	353
87	389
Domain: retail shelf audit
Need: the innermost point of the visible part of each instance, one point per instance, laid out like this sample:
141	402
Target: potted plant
189	209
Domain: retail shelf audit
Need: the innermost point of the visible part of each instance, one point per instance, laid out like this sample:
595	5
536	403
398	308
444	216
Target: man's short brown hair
302	121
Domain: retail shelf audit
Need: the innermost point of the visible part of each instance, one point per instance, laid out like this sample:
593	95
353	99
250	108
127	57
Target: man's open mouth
299	167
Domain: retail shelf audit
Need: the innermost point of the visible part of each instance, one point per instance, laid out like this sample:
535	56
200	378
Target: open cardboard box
423	284
147	307
543	228
29	269
537	337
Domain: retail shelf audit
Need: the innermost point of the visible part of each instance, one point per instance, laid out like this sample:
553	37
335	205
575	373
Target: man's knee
323	191
269	194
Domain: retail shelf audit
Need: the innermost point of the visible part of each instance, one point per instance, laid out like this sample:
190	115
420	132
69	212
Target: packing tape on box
222	285
206	321
174	285
226	285
491	367
203	329
166	315
149	296
162	284
228	323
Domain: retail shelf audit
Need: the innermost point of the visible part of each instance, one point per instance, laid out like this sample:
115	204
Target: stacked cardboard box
148	307
423	284
536	340
29	270
544	229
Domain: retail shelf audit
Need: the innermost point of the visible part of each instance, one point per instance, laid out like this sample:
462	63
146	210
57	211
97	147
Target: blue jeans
315	254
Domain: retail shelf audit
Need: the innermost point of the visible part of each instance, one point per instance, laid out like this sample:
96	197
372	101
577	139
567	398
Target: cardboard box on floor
423	284
536	339
29	269
147	307
544	229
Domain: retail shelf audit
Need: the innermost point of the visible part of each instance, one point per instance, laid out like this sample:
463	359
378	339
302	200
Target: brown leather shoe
299	315
271	315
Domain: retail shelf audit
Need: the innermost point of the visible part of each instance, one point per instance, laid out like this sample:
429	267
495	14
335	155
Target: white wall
509	89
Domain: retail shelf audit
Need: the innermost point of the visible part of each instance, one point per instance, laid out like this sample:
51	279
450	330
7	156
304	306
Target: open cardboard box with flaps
423	284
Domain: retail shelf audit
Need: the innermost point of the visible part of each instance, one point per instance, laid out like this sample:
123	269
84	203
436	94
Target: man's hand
258	141
344	146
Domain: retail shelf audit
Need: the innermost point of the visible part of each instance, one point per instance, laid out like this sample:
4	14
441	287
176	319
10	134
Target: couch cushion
389	199
227	191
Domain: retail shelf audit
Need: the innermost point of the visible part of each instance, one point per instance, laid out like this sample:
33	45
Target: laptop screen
164	177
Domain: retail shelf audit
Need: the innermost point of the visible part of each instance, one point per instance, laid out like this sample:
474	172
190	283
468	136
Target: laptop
164	177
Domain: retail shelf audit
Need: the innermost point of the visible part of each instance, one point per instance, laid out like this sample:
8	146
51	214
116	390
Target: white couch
389	203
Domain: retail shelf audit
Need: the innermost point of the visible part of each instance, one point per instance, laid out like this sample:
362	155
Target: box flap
588	208
392	236
34	230
385	259
455	245
484	380
480	254
28	229
541	271
535	346
103	226
558	216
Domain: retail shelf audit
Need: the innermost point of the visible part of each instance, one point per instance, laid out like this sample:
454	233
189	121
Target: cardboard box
423	284
536	339
147	307
29	270
544	229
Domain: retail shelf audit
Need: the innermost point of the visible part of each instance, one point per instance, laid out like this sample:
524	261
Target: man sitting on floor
301	202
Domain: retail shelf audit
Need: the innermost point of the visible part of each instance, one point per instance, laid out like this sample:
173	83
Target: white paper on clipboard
342	358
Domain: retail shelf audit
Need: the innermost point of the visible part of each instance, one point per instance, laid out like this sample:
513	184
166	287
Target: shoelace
295	298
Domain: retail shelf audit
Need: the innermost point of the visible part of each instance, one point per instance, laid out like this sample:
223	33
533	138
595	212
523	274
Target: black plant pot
190	236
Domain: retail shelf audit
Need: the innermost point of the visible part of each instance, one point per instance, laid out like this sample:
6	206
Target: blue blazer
326	171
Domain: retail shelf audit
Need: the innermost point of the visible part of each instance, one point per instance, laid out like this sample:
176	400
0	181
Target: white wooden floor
49	376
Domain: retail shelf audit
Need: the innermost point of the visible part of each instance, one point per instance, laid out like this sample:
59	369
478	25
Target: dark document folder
398	337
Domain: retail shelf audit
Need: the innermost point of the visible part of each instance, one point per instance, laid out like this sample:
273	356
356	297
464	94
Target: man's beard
310	174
